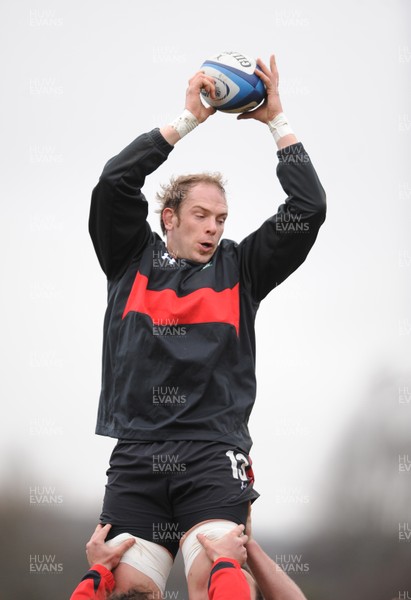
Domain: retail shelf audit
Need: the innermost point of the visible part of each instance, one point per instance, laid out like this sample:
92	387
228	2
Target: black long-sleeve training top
178	340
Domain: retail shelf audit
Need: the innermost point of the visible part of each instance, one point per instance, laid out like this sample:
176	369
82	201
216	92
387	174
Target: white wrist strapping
185	123
279	126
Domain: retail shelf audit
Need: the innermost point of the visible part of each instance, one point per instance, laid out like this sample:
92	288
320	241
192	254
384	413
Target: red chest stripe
164	307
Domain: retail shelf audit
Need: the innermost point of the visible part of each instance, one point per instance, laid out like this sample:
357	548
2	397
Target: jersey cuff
160	141
105	573
224	563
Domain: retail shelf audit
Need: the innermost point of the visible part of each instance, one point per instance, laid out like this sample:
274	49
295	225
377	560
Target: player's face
195	232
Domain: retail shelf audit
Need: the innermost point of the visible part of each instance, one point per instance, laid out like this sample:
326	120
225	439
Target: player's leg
136	504
196	562
198	570
215	493
144	567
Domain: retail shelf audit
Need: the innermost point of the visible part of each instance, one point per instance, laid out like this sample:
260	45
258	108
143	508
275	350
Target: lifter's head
133	595
193	212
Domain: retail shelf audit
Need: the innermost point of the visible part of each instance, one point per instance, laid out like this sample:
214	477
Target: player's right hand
194	104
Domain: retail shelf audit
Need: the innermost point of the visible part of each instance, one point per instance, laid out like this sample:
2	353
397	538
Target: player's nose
211	226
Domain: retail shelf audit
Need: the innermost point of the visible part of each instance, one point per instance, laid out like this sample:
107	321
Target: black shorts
159	490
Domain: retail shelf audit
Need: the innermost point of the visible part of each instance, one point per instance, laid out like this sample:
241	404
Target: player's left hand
271	107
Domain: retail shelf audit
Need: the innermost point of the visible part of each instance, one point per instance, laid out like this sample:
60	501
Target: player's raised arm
275	250
118	214
271	110
194	112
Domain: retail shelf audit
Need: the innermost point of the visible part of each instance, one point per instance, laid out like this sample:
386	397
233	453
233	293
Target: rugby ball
238	88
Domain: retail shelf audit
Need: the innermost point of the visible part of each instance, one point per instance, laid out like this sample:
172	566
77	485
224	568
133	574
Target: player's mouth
206	246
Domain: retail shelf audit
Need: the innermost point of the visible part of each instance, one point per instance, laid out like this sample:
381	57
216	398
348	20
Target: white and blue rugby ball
238	88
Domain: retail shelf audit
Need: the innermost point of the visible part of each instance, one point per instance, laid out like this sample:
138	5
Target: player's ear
168	218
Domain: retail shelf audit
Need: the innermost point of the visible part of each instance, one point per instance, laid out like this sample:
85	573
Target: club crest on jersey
163	260
171	260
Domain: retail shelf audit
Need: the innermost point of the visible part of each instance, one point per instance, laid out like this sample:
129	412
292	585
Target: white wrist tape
185	123
279	126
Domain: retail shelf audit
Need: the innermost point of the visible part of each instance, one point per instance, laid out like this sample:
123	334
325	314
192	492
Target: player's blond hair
173	193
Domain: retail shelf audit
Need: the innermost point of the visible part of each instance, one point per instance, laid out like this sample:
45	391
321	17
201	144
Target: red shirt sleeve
227	581
96	584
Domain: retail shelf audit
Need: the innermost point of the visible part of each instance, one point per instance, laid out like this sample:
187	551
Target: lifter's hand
271	106
194	104
231	545
99	553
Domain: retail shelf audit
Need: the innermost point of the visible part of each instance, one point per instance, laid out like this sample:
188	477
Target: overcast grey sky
80	81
